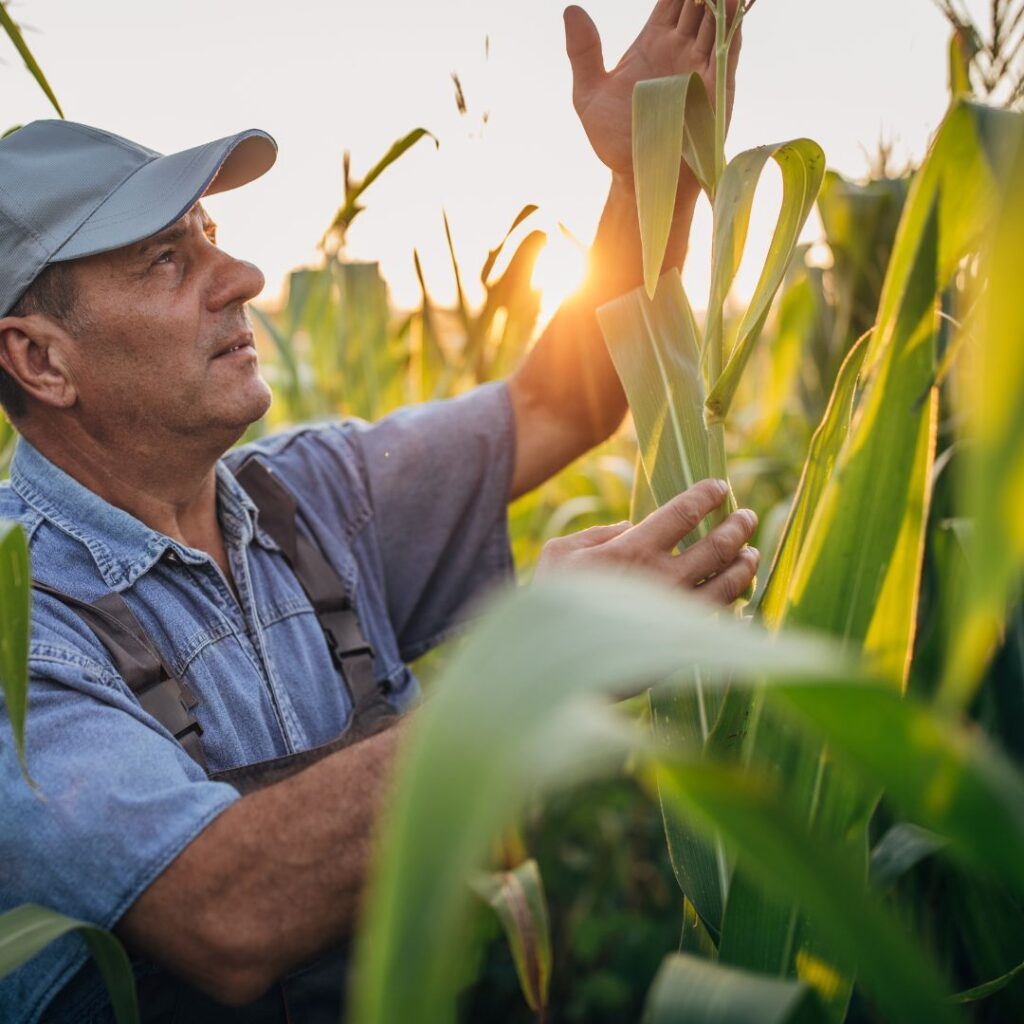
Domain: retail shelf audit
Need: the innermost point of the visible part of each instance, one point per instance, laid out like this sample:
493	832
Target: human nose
235	281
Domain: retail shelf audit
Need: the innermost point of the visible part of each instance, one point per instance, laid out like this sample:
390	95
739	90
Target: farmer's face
152	352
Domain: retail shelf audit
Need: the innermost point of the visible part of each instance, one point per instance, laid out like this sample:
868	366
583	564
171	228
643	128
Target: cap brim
165	189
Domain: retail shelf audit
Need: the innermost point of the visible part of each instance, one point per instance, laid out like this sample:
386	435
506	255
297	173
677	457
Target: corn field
834	771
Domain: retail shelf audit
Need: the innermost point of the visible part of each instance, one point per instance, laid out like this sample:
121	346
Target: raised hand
679	37
719	567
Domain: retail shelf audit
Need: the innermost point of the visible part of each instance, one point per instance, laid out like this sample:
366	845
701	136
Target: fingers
600	534
732	583
690	17
666	12
705	41
718	550
579	550
583	47
705	29
664	528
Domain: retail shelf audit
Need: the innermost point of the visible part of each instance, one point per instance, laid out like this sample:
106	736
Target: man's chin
234	419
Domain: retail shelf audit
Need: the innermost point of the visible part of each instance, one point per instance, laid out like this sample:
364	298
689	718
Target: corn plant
338	347
777	778
987	56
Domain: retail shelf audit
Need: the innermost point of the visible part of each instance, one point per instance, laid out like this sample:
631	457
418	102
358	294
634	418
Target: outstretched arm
566	394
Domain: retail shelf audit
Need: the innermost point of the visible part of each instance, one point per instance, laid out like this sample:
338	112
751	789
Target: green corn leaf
641	500
902	848
517	898
797	866
656	351
682	717
821	459
869	525
654	344
509	720
962	51
802	164
14	33
695	938
672	120
798	325
860	223
27	930
869	522
958	186
15	603
368	379
867	530
993	486
434	373
492	257
354	189
690	989
990	988
943	776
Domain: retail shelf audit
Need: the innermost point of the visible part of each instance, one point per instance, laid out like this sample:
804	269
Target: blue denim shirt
412	513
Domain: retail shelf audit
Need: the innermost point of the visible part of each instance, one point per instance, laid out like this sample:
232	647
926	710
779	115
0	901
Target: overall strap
350	649
169	700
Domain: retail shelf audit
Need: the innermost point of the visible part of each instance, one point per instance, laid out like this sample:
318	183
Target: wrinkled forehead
128	256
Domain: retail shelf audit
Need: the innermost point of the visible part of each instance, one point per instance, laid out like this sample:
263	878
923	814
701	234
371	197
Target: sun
558	272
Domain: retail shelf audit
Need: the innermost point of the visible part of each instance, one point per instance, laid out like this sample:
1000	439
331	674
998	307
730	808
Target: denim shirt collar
123	547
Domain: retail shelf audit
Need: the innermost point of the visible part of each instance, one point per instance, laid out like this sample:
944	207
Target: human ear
33	351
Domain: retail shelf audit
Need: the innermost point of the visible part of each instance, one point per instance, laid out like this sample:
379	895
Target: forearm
276	879
566	393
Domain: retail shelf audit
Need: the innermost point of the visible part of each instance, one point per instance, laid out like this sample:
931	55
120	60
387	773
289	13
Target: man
129	371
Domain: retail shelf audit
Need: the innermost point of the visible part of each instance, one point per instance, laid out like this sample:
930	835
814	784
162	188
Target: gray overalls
312	994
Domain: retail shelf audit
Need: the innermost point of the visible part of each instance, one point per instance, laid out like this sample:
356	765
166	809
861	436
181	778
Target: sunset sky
324	77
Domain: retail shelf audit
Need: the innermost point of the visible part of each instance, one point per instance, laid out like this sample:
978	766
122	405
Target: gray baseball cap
68	190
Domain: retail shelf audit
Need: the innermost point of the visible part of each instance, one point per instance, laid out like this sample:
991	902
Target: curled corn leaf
672	120
802	164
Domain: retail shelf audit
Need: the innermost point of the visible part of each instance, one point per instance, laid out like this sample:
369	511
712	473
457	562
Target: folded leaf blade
802	164
655	346
672	121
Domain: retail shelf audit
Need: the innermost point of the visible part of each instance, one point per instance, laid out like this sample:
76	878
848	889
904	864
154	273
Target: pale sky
324	76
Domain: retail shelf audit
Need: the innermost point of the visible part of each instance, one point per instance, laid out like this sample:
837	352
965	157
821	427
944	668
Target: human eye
164	257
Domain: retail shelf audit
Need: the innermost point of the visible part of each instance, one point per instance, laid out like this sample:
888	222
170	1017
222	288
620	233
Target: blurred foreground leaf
15	602
698	992
25	931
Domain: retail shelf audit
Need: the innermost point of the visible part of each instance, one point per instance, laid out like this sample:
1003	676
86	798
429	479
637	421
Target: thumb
583	46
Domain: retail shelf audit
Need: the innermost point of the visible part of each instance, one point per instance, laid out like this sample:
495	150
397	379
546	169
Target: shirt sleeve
438	477
115	800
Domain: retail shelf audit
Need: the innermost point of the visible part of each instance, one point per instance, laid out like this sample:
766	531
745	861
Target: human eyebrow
175	233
